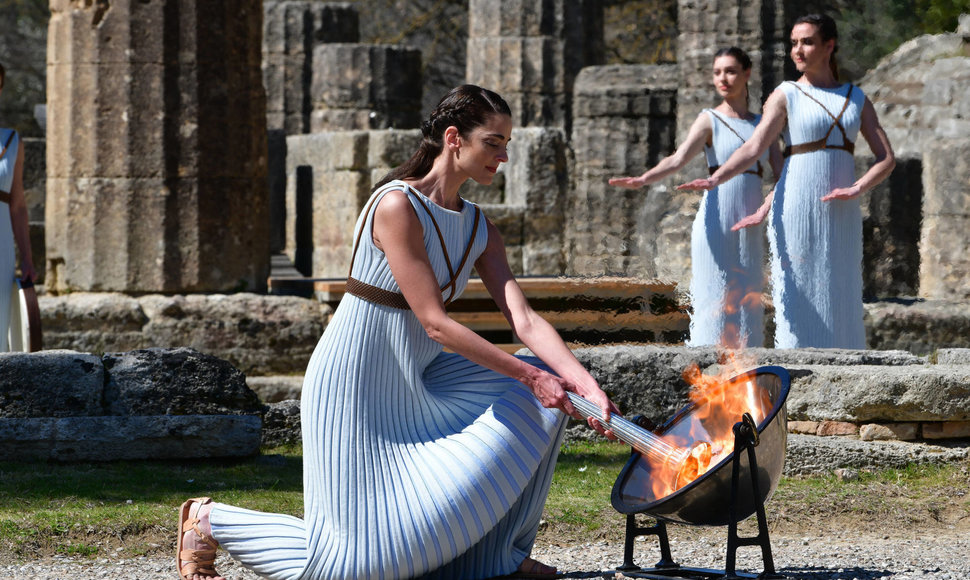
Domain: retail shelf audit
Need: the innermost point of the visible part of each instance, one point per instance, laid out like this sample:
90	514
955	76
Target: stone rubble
874	556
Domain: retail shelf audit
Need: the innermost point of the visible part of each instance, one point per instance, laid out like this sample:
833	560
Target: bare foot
197	547
535	569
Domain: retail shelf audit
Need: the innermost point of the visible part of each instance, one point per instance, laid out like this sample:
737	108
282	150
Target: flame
718	404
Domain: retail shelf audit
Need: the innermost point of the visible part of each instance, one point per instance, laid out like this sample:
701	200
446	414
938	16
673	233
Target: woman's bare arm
700	133
772	122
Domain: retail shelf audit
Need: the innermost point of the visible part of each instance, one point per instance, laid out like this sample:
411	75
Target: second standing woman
815	223
726	279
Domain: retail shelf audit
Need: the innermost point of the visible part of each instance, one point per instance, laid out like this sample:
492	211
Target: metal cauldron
706	501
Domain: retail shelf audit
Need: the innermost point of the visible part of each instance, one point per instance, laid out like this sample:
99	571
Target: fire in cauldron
715	463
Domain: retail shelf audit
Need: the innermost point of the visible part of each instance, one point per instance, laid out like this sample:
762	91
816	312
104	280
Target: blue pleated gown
417	462
816	246
726	267
8	256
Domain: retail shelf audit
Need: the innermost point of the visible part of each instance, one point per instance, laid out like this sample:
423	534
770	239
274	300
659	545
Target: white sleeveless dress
416	462
816	263
8	256
726	267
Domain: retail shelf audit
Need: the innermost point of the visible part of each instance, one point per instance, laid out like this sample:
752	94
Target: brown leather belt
760	171
817	145
376	295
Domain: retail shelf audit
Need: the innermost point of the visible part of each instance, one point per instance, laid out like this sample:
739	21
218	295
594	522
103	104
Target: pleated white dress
726	267
816	264
416	462
8	256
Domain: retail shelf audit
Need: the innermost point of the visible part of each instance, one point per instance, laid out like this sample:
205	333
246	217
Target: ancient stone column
757	27
944	260
365	86
291	31
531	52
156	153
624	121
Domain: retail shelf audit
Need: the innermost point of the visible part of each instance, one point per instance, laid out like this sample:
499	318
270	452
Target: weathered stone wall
365	86
920	93
758	28
292	29
624	121
156	142
330	176
944	256
155	403
260	335
531	52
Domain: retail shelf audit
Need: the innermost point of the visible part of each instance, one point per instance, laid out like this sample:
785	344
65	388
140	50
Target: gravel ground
944	555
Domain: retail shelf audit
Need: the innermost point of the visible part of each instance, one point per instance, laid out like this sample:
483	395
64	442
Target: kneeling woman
417	461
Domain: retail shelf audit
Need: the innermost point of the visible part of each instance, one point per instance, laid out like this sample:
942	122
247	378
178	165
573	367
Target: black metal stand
745	439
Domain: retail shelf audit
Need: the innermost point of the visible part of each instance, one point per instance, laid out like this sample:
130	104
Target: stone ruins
187	144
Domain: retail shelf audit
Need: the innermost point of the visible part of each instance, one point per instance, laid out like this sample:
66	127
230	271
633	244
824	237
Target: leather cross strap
846	145
396	299
759	171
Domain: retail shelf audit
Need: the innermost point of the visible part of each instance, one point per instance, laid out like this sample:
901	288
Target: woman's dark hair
465	107
743	59
739	55
827	30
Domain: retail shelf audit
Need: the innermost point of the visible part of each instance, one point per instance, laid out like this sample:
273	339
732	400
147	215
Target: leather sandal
197	562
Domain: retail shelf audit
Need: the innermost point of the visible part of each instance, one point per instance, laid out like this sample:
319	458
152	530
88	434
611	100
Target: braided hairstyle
827	30
464	107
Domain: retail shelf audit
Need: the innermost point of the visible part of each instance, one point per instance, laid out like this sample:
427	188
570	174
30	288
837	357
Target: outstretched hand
697	185
627	182
842	193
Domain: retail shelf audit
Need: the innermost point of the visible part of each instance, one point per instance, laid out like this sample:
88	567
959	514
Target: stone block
889	431
803	427
944	265
953	356
392	147
841	428
281	423
274	389
126	438
946	178
374	86
50	383
918	326
880	394
180	381
258	334
946	430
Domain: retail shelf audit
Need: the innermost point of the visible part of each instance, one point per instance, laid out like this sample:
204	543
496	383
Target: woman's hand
842	193
628	182
698	185
757	217
551	392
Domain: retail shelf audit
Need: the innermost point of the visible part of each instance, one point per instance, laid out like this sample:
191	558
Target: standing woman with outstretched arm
14	227
815	220
726	279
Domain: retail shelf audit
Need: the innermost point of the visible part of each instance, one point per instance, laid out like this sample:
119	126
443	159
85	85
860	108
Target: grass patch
73	508
88	509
